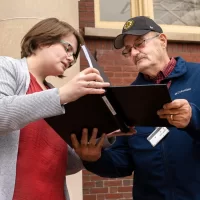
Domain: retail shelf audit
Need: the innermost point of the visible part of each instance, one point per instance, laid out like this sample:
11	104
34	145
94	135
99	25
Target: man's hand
178	113
88	150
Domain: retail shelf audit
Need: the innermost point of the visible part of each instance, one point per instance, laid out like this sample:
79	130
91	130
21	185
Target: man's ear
163	40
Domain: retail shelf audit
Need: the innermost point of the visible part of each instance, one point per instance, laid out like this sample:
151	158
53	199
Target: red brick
89	3
116	81
90	197
96	178
85	18
109	74
127	182
99	183
114	196
128	81
128	74
106	62
86	15
89	184
111	68
128	195
113	189
100	196
98	190
86	191
86	178
84	8
118	74
129	69
125	189
112	183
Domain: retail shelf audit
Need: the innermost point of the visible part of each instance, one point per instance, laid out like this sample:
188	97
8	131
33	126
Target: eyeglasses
69	50
140	43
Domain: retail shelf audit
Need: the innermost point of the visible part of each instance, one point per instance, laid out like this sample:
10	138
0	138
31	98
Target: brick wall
120	72
97	188
86	13
118	69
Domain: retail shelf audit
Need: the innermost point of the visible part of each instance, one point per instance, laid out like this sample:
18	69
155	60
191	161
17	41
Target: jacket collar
179	70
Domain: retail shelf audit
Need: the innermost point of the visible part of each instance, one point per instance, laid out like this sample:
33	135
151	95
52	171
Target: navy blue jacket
171	169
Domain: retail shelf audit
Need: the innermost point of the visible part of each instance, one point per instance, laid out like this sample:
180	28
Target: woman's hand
86	82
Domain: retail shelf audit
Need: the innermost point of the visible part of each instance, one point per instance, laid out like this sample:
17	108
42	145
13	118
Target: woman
33	157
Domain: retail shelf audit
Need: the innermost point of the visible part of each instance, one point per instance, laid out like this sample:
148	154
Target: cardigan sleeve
16	111
74	163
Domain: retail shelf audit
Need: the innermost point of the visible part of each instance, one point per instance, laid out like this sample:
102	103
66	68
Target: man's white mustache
139	58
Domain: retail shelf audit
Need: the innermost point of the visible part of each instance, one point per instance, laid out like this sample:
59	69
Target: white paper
157	135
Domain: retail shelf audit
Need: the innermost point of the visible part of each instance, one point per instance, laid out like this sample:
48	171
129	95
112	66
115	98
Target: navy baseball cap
136	26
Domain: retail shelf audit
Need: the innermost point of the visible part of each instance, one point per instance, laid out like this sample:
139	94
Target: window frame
145	7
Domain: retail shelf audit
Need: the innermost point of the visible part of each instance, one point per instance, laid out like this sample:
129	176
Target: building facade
101	21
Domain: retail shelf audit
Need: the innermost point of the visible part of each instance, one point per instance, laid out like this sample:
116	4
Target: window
180	19
113	13
177	12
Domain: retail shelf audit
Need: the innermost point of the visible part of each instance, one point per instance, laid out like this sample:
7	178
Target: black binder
119	108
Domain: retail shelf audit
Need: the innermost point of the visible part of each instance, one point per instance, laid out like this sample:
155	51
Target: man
171	169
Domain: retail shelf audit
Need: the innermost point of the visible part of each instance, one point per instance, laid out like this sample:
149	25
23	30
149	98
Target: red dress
41	162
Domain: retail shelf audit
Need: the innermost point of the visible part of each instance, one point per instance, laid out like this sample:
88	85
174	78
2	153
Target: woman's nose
70	57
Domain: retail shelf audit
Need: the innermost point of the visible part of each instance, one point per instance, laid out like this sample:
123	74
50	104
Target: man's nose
134	52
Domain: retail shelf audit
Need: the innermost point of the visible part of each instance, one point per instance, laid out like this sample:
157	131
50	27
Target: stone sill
172	36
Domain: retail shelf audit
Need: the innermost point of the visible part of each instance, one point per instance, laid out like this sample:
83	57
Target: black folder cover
135	105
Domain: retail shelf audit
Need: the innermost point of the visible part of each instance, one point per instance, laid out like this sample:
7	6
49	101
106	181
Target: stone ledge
172	36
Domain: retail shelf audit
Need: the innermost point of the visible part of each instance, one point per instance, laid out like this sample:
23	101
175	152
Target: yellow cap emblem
128	24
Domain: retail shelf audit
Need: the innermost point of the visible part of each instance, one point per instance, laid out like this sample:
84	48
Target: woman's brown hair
47	32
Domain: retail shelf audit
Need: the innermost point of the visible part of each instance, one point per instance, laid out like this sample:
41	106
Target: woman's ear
40	46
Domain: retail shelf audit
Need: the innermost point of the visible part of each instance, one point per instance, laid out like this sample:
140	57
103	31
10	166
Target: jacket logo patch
128	24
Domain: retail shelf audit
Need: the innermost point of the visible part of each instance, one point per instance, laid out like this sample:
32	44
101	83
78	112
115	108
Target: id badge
157	135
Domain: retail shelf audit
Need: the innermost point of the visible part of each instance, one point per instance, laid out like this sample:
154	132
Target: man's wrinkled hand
178	113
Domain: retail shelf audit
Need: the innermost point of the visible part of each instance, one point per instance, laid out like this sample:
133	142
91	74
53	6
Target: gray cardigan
16	111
